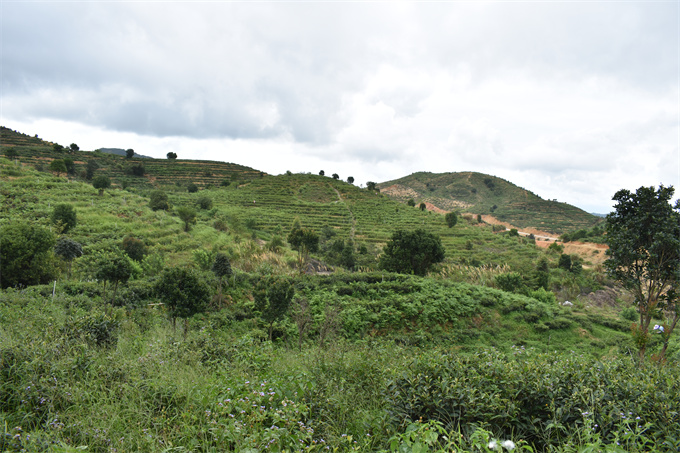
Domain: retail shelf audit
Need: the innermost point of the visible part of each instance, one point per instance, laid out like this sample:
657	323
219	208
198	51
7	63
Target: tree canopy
64	217
158	200
273	296
101	182
188	215
643	234
412	252
26	256
183	292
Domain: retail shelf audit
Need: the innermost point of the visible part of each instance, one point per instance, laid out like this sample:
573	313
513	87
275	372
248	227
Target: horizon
572	101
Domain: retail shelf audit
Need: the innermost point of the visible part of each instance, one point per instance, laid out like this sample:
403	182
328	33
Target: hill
479	193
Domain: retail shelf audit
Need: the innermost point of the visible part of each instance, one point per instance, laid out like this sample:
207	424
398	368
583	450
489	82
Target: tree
113	267
422	206
158	200
336	176
64	217
221	267
183	292
101	183
58	166
273	296
172	156
137	170
451	219
350	179
11	153
70	166
68	250
304	240
26	255
412	252
130	153
135	248
372	186
192	188
74	147
204	203
322	173
643	234
92	166
411	202
188	215
57	148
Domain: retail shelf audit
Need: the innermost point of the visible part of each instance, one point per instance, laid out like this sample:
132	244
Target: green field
480	348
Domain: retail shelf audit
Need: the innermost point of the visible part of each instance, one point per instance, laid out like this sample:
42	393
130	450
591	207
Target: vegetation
478	193
101	183
64	217
499	345
643	234
412	252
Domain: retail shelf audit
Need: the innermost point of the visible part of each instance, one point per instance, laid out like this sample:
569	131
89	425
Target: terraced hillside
156	172
478	193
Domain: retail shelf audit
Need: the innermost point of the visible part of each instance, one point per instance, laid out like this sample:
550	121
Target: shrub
26	256
204	203
64	217
510	282
630	314
135	248
158	200
192	188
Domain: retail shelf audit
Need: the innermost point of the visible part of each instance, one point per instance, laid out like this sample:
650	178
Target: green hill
478	193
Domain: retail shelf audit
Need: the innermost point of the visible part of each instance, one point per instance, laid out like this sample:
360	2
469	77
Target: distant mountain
121	152
478	193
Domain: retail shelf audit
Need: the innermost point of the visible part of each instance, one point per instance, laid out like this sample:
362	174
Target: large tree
101	183
187	214
114	267
412	252
26	256
273	296
643	234
183	292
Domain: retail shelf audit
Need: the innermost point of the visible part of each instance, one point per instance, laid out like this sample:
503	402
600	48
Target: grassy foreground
77	374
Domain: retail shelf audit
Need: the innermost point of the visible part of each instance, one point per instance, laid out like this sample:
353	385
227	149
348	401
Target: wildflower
508	445
493	445
658	327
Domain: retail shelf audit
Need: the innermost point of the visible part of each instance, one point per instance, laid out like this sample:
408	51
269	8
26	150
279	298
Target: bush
64	217
630	314
158	200
192	188
204	203
135	248
510	282
26	256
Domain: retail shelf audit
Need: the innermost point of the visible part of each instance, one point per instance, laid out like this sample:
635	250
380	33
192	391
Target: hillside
478	193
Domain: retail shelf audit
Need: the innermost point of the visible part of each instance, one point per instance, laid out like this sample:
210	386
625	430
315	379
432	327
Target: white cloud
570	100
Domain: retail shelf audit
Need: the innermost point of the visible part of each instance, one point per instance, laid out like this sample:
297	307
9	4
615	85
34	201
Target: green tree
412	252
350	179
64	217
129	153
422	206
57	148
304	239
273	296
101	183
564	262
322	173
135	248
411	202
158	200
11	153
336	176
58	166
204	203
183	292
172	156
451	219
74	147
92	166
113	267
192	188
137	170
68	250
372	186
26	255
221	267
643	234
188	215
70	166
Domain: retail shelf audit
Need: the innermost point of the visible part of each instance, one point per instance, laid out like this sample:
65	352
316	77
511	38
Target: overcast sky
571	100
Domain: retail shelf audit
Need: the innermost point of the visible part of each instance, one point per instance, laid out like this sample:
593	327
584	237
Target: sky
572	100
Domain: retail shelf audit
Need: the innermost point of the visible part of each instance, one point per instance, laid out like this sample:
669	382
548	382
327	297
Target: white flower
508	445
658	327
493	445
